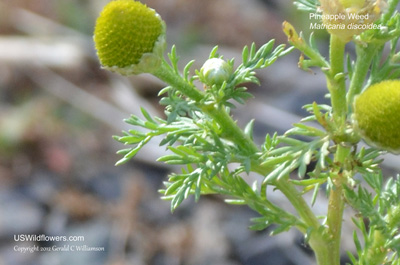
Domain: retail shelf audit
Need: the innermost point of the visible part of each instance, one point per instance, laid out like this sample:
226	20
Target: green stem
364	59
230	130
391	7
294	196
336	201
334	218
316	59
298	202
318	241
375	252
336	79
168	75
337	88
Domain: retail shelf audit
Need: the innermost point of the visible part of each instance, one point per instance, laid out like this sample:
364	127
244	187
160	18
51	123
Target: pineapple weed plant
215	154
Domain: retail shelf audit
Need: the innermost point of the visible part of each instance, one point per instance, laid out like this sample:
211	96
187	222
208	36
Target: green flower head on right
377	115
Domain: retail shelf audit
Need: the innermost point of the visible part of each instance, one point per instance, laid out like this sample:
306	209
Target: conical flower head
129	37
377	115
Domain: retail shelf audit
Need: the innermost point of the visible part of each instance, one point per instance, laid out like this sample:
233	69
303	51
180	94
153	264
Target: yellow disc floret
377	115
129	36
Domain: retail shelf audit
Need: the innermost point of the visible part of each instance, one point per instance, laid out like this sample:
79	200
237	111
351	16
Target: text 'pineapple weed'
215	154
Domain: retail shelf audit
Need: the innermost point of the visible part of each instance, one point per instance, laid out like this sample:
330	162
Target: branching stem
232	132
337	89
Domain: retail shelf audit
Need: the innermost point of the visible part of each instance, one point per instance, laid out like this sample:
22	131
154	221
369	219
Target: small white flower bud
215	71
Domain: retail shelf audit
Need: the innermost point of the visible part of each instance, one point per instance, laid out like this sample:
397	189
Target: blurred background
58	111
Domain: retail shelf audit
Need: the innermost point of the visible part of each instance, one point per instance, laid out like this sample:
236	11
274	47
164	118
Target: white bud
215	71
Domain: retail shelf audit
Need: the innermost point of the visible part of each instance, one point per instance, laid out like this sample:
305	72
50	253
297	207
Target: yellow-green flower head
346	18
377	115
129	37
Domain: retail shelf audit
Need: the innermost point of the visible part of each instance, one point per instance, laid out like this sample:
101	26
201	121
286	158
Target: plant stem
391	7
230	130
336	80
167	74
375	252
297	41
364	59
294	196
318	240
336	200
298	202
337	88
